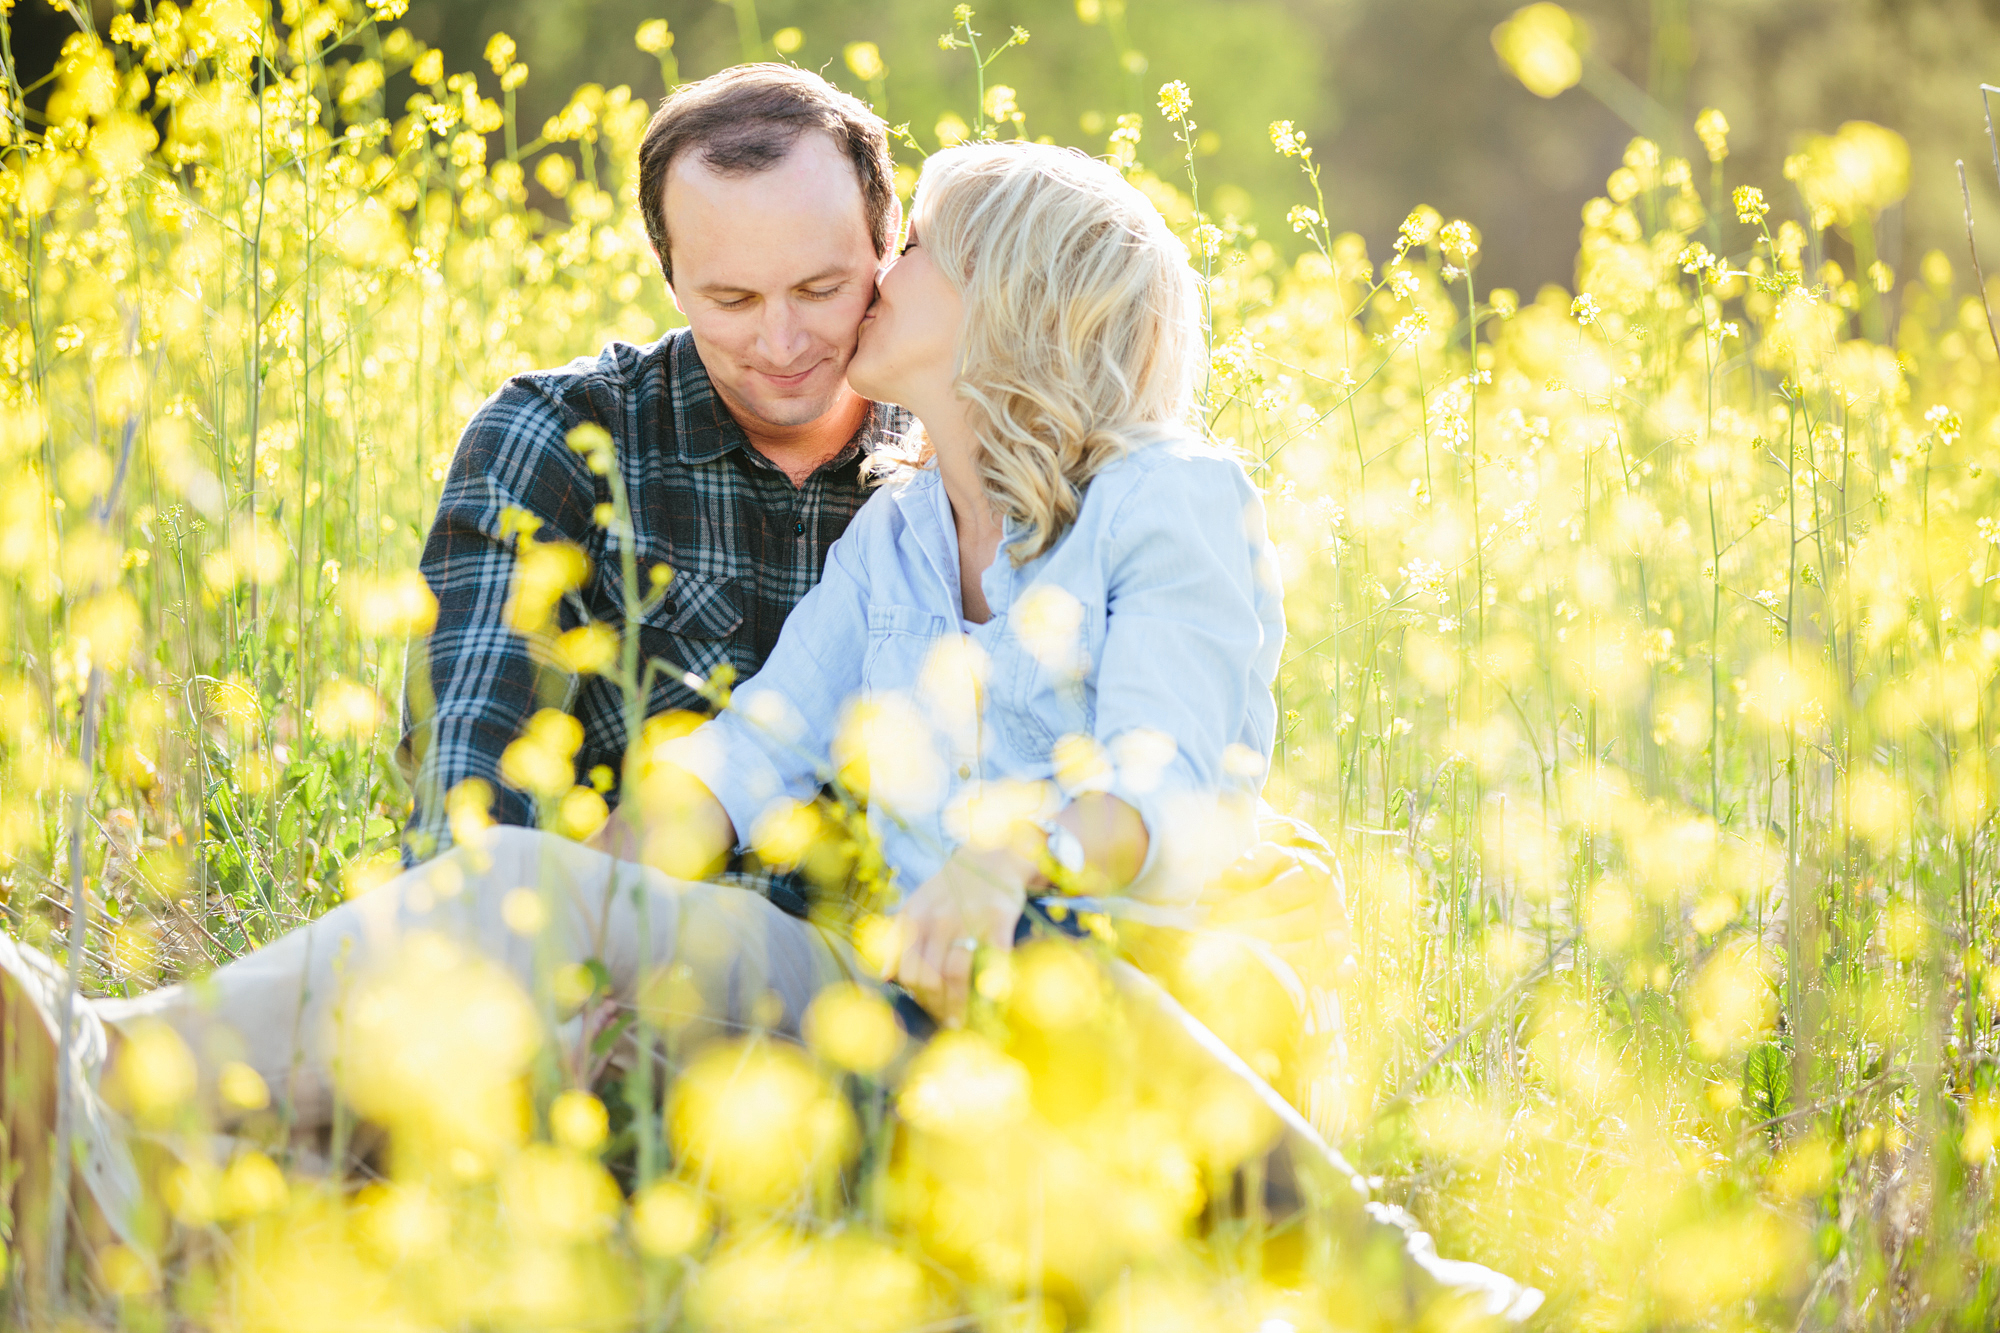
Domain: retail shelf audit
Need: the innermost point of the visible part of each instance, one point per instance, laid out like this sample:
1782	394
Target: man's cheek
842	323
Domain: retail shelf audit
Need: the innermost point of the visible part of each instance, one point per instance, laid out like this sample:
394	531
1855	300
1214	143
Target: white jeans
530	902
750	965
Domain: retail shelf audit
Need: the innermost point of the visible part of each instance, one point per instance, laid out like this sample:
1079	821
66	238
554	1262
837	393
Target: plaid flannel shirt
743	542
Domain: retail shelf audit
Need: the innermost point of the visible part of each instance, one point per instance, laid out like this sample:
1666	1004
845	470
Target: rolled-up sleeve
1183	640
775	738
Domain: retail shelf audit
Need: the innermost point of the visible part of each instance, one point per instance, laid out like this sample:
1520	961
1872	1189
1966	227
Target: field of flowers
1641	671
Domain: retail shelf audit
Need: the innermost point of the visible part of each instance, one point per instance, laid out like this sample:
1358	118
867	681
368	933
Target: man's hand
973	903
672	823
616	837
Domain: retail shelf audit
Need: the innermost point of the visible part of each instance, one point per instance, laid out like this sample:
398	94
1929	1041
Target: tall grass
1641	667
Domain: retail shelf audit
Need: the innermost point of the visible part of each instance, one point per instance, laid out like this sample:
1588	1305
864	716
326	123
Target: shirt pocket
1046	662
899	642
692	628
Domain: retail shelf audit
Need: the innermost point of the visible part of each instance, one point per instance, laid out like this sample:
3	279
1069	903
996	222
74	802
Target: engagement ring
969	942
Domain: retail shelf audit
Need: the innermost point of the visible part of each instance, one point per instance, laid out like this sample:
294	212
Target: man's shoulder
534	411
619	371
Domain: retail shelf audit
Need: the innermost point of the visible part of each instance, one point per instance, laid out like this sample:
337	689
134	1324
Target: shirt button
799	528
964	771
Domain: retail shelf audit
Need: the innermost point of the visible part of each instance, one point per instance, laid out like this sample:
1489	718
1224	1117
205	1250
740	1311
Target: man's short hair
745	120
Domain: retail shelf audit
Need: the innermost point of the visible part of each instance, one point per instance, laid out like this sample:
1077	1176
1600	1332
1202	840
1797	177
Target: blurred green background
1404	99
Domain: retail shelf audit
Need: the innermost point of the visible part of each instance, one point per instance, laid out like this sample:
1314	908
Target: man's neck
799	451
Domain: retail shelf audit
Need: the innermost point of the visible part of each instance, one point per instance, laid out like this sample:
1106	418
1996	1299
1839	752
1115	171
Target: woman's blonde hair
1082	326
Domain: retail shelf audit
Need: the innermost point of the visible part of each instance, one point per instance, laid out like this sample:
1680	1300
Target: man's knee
768	964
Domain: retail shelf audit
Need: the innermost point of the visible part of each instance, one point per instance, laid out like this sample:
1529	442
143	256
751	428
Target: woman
1062	614
1045	649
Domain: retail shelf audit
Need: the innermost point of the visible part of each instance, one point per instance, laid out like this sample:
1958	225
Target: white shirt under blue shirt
1134	656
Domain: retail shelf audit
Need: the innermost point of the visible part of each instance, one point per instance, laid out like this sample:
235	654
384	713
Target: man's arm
473	685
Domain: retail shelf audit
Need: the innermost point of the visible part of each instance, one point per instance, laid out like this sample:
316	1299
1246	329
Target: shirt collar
704	430
928	513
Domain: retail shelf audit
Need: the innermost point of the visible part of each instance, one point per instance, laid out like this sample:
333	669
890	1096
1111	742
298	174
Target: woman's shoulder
1168	474
1173	453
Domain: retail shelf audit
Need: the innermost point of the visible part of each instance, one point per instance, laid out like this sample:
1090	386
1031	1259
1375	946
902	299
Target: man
767	195
741	445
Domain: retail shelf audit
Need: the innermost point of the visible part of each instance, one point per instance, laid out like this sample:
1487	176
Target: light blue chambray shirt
1135	656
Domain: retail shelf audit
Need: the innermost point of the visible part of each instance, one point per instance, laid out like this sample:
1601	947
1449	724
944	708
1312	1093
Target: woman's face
908	348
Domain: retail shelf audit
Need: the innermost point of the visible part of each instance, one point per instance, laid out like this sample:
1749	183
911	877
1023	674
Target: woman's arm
1184	710
700	795
1184	649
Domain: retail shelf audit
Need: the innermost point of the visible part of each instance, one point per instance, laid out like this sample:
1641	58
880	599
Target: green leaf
1767	1080
606	1039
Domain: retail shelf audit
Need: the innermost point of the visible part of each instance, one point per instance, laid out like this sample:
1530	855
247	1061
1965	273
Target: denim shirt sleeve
775	737
1183	645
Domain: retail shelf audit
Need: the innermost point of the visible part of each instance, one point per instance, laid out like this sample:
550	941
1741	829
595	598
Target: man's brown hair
744	120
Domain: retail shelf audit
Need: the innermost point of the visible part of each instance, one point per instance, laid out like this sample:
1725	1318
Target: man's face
773	271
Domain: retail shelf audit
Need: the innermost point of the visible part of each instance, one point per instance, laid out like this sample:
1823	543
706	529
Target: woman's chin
861	378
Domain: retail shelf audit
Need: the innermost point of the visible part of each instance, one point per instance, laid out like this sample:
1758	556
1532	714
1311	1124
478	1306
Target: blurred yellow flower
1712	128
242	1087
853	1028
251	1184
552	1192
499	52
588	649
578	1121
1732	1002
864	59
346	709
654	36
544	572
433	1044
760	1123
1543	44
155	1073
1857	171
669	1219
962	1087
540	760
392	607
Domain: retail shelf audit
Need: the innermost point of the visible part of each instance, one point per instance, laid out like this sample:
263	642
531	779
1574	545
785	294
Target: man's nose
782	334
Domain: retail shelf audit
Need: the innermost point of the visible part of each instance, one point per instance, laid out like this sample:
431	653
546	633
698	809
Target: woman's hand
973	902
